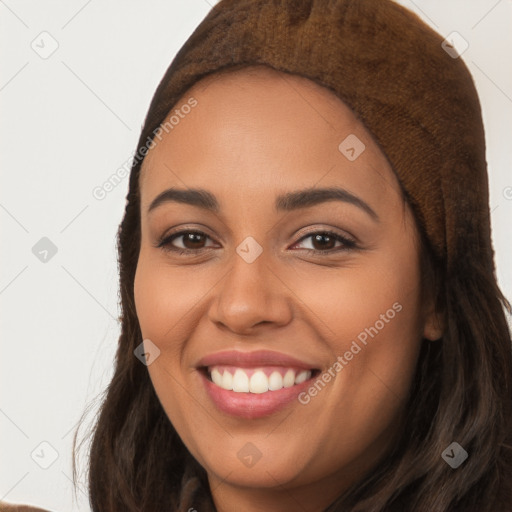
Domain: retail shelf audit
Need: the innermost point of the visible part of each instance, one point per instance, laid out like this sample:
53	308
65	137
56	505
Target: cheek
165	298
349	300
370	315
166	317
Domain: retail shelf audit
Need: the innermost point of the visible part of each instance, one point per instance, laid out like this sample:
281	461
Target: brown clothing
12	507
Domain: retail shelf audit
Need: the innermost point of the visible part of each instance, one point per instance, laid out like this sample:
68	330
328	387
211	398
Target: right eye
192	242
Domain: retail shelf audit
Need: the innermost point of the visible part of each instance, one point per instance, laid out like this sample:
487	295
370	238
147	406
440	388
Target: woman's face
299	245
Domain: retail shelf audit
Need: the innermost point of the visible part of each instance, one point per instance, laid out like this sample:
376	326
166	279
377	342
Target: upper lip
253	359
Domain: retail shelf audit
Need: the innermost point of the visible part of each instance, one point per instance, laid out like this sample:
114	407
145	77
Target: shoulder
12	507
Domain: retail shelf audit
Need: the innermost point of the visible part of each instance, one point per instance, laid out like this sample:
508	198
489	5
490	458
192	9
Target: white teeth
227	381
275	381
217	377
289	379
302	376
240	381
258	382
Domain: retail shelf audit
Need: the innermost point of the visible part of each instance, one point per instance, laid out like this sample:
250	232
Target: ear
434	323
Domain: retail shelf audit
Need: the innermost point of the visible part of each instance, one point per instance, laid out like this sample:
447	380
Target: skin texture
253	135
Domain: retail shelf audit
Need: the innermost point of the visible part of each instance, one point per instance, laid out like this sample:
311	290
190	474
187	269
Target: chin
276	471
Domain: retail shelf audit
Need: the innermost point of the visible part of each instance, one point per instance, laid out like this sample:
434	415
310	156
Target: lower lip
252	405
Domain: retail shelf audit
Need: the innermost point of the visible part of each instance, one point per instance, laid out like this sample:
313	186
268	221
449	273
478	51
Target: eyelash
164	243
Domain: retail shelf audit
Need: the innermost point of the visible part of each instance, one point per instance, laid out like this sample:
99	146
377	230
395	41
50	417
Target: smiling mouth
258	379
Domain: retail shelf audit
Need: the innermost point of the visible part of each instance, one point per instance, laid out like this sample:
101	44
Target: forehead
261	131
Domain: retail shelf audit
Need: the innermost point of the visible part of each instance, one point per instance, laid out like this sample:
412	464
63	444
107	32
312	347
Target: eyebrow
287	202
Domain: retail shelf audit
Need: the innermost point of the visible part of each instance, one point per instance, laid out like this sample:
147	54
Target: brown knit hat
418	100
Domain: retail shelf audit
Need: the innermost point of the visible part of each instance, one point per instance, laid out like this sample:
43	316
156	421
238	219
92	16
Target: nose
250	296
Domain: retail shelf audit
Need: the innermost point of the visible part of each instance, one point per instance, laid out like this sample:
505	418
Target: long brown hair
462	392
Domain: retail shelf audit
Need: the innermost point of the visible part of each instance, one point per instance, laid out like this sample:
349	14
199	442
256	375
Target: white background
70	121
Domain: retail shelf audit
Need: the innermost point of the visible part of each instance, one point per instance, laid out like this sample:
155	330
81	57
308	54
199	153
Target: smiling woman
243	322
310	313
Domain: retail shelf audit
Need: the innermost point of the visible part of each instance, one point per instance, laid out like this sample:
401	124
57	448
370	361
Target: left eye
192	242
326	239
